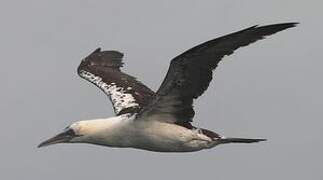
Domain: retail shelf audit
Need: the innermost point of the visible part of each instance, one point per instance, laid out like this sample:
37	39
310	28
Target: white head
89	131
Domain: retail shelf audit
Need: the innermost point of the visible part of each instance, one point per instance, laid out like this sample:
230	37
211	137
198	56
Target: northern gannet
158	121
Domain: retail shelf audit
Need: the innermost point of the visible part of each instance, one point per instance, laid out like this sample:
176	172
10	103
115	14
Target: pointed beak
63	137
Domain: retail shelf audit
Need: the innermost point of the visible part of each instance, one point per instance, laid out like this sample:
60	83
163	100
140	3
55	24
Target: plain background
271	89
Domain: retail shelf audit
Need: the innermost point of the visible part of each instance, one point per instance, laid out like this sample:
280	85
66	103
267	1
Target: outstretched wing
103	70
190	73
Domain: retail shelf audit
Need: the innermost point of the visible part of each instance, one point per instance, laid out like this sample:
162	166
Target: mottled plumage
158	121
125	92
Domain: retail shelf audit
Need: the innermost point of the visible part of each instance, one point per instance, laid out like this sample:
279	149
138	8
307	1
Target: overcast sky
271	89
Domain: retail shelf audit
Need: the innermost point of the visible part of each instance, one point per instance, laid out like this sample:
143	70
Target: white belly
167	137
145	134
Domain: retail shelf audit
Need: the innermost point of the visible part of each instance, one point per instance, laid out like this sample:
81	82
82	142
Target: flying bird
158	121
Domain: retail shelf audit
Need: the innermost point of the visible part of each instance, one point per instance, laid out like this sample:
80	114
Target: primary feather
190	73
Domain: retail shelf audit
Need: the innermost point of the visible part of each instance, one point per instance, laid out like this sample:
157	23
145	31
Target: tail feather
239	140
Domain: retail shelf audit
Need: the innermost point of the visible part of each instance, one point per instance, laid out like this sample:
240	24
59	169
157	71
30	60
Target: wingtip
283	25
290	24
295	23
97	50
271	27
259	140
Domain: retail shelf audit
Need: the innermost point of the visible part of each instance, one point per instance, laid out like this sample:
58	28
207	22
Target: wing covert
102	68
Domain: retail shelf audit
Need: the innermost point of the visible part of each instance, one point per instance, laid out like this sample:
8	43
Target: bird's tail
239	140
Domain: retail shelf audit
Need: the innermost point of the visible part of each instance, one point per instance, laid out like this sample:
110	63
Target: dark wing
103	70
190	73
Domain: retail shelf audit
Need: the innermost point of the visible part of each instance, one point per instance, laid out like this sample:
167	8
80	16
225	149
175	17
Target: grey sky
271	89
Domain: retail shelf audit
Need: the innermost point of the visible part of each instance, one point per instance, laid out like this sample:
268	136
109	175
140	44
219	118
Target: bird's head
95	131
76	132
